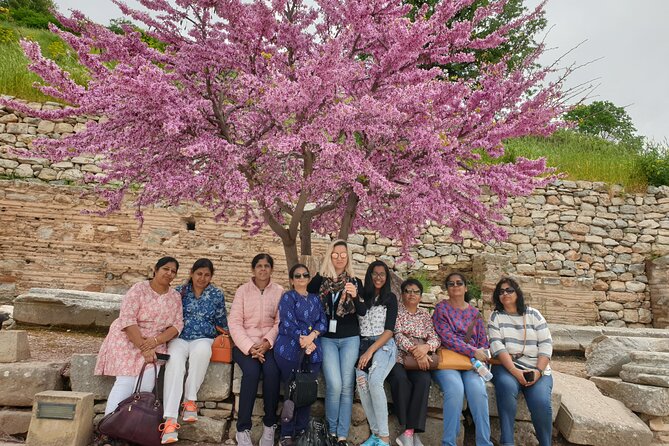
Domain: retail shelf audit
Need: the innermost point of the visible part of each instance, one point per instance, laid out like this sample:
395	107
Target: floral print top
411	327
202	314
153	313
298	316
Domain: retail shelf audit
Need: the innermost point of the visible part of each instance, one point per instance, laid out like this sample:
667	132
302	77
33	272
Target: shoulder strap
470	328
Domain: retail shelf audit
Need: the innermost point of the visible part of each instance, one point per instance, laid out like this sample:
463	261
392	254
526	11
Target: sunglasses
339	255
301	276
504	291
416	292
453	283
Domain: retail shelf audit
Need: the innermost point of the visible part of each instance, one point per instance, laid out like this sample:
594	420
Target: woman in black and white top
378	350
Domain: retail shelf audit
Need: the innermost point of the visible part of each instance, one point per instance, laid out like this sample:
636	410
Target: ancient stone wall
579	248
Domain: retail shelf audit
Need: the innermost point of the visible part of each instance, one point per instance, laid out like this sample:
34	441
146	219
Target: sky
624	43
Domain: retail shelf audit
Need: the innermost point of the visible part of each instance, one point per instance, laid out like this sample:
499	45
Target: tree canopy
606	120
328	116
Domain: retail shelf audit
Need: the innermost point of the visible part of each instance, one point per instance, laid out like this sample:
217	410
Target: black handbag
316	434
137	418
303	388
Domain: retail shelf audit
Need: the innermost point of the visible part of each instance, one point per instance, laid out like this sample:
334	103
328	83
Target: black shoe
286	441
342	443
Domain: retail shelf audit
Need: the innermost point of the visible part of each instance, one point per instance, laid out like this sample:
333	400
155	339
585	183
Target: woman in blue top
302	320
203	310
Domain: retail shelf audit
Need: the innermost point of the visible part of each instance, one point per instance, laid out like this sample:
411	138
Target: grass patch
583	157
15	77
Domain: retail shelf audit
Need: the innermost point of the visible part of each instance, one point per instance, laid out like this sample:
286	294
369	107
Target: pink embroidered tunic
153	313
413	326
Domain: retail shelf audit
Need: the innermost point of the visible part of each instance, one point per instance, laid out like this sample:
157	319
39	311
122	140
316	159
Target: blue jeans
455	385
339	359
370	387
538	398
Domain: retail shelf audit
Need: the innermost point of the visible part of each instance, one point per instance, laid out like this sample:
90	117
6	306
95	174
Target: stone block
57	432
216	414
67	308
523	433
13	422
606	385
588	417
607	354
82	378
217	382
644	375
206	430
650	400
14	345
20	381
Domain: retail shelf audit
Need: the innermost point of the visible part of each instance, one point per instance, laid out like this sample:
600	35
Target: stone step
67	308
650	400
652	358
576	338
588	417
607	354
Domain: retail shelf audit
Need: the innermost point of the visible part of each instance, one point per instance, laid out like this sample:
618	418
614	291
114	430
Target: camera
529	375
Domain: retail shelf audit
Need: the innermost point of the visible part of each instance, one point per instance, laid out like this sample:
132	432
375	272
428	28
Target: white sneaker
404	440
244	438
416	440
267	438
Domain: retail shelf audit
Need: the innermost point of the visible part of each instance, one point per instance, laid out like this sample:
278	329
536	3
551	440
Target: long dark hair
468	296
520	298
369	290
201	263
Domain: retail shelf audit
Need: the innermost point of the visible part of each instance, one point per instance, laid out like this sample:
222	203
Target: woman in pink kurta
150	316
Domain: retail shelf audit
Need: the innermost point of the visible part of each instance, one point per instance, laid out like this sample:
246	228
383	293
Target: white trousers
197	353
124	386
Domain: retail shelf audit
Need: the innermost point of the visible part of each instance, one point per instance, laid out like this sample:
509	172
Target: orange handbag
221	349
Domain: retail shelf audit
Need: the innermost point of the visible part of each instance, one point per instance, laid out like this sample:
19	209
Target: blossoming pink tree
327	116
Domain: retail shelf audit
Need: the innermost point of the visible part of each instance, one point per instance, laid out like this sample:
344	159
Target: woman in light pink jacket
254	325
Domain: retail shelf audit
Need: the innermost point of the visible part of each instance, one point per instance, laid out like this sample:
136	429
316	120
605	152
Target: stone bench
577	338
67	308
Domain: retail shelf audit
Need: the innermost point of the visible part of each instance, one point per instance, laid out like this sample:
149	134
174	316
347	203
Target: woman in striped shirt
520	339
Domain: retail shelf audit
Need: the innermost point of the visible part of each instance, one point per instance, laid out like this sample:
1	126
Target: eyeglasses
504	291
339	255
451	283
409	291
379	275
301	276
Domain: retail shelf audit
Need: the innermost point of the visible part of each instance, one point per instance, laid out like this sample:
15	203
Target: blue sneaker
373	440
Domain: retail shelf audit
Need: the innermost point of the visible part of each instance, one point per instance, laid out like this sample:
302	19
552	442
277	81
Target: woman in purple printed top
301	321
453	318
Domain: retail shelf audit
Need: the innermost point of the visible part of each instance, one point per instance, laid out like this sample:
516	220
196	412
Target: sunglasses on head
504	291
452	283
301	276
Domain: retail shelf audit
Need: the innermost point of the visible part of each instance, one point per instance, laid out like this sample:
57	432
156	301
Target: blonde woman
339	290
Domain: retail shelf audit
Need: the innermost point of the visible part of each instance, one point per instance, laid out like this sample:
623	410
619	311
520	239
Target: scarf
330	287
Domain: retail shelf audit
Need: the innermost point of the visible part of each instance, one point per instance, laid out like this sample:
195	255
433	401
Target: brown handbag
443	358
137	418
221	349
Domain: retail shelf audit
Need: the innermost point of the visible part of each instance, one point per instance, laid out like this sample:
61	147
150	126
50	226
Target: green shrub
654	162
31	19
7	35
422	277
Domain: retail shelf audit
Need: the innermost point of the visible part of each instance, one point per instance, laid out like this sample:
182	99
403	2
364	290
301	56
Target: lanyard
334	300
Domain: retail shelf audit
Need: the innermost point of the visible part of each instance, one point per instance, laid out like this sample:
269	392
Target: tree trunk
305	234
290	250
349	214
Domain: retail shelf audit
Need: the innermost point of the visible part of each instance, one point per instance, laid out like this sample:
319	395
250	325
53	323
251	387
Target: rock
576	338
523	433
606	385
17	128
23	171
20	381
82	378
67	308
47	174
206	430
13	421
650	400
217	382
216	414
637	375
607	354
45	126
588	417
71	175
14	345
63	127
8	164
